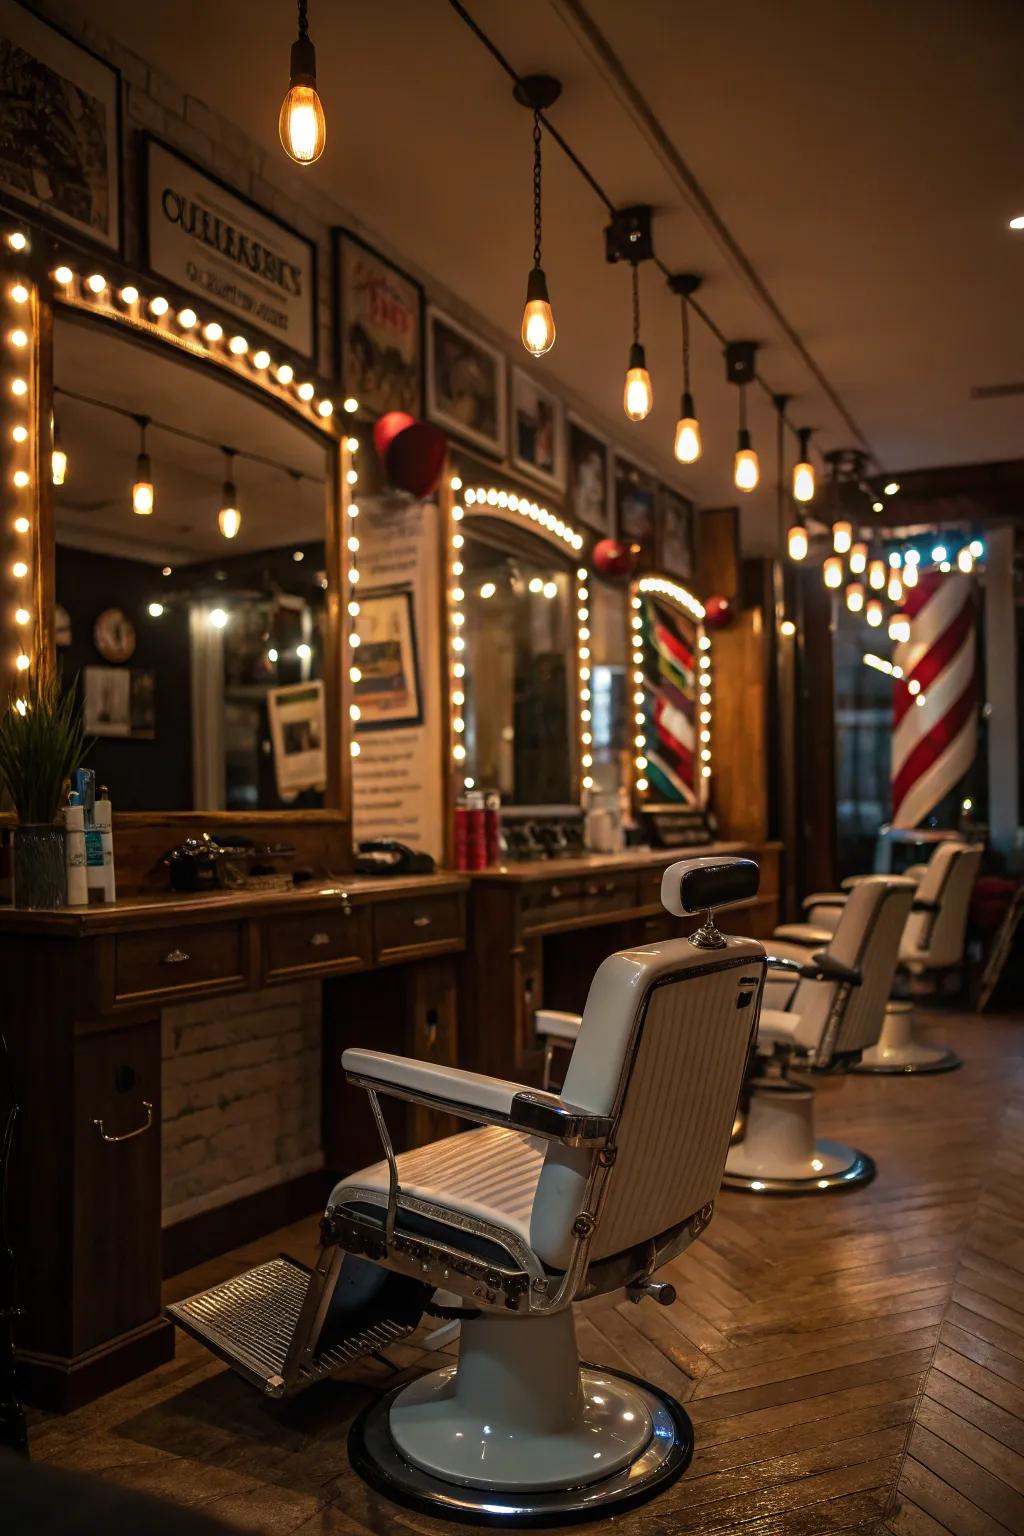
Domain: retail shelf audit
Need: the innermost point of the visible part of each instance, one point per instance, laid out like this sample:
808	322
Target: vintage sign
216	244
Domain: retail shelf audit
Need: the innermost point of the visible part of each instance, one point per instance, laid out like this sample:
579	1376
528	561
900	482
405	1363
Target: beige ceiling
864	156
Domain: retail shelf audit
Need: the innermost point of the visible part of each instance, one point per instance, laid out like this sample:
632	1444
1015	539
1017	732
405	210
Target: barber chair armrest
807	935
922	904
473	1096
819	967
825	899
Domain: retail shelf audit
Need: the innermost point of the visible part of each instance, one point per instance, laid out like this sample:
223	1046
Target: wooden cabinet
166	965
337	939
423	926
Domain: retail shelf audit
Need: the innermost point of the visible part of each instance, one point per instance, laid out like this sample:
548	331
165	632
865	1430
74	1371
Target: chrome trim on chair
860	1171
947	1061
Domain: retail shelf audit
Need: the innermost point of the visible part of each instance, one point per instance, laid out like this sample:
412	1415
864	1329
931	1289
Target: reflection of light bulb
855	596
832	571
155	610
550	589
58	466
788	628
302	125
859	559
538	330
803	481
218	618
842	536
910	574
965	560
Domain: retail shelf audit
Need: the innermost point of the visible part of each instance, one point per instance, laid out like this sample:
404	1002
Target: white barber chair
932	941
551	1200
820	1012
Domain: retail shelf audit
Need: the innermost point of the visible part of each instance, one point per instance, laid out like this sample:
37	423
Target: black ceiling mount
740	361
847	463
628	237
538	92
780	402
685	284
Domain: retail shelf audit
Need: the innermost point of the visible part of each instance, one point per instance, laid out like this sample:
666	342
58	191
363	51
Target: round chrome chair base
924	1060
664	1458
857	1168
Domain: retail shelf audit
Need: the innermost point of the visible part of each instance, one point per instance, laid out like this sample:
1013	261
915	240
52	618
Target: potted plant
41	743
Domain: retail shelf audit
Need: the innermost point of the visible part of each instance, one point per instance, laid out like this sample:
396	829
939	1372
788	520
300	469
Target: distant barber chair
821	1011
553	1199
932	942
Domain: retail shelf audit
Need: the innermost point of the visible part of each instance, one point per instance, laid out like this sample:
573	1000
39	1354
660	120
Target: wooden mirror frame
673	593
39	276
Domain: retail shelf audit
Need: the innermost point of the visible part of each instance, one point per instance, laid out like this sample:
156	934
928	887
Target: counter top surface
160	907
596	863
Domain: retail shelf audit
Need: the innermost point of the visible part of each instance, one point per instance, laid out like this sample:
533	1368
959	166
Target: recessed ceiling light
1018	222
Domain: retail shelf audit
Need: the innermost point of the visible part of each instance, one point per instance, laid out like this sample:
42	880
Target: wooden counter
83	991
538	930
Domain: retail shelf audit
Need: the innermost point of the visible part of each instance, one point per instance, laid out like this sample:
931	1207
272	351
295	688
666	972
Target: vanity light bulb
746	466
229	518
832	572
16	240
58	466
155	610
63	275
302	124
326	408
22	663
876	575
159	306
20	434
638	393
796	542
842	536
21	525
538	329
21	616
18	338
95	282
19	570
218	618
187	319
859	559
803	481
19	387
129	294
238	346
142	490
21	478
213	330
261	359
285	373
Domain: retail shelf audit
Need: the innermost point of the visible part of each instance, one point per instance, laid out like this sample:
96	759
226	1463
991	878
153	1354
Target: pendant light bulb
873	612
746	466
142	490
832	572
899	628
538	331
894	591
302	125
859	558
638	395
803	472
229	518
910	574
965	560
796	542
842	536
688	446
877	574
855	596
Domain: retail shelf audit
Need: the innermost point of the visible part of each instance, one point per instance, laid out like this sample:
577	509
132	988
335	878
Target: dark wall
140	773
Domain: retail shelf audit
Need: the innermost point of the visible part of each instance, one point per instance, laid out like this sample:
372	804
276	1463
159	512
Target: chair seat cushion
489	1174
776	1028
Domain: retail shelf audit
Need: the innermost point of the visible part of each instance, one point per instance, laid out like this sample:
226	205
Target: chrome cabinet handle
421	922
140	1130
176	957
319	939
555	892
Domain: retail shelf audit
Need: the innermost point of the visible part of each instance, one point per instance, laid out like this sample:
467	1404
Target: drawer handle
140	1130
555	892
176	957
421	922
319	939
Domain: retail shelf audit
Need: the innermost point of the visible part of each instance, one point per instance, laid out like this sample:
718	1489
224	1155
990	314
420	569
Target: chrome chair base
898	1052
659	1462
779	1153
857	1168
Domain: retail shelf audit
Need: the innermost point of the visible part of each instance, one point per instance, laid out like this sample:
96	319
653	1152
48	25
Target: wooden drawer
422	924
650	887
203	957
551	901
609	893
337	939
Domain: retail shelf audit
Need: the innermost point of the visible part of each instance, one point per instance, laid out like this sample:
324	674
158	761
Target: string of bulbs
229	517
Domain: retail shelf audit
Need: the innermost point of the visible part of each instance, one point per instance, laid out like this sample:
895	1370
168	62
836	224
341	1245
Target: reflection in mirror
519	687
196	628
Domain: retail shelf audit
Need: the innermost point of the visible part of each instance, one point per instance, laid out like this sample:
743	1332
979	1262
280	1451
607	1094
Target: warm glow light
159	306
1017	222
638	394
873	612
22	663
787	627
746	469
687	447
19	387
218	618
18	338
894	590
538	329
58	466
899	628
21	616
19	293
21	478
842	536
965	560
19	570
261	359
20	434
913	686
238	346
976	548
21	525
302	125
16	240
891	488
155	610
803	481
95	282
855	596
63	276
142	490
488	589
877	574
859	558
229	520
832	571
910	574
326	408
306	391
187	319
129	294
213	330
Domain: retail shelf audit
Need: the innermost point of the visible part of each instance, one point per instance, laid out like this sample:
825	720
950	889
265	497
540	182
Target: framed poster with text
378	342
214	243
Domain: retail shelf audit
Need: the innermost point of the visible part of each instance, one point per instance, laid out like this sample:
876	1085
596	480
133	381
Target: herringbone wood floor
850	1363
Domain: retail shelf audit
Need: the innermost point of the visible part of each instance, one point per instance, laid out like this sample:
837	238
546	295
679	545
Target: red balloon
613	559
415	458
387	427
717	612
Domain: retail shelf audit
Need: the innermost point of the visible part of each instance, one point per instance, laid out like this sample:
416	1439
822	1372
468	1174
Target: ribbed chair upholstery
820	1012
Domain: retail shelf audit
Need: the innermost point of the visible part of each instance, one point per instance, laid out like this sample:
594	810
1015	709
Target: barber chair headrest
699	885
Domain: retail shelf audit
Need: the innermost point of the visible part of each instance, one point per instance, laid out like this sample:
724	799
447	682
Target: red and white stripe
934	742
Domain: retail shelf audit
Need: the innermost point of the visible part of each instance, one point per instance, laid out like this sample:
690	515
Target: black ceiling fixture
538	93
740	368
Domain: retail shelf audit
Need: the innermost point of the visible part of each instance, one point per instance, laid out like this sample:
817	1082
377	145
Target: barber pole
935	703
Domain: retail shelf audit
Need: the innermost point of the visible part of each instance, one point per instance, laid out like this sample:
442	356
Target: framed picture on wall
388	691
378	329
538	430
588	499
465	383
60	152
635	516
675	527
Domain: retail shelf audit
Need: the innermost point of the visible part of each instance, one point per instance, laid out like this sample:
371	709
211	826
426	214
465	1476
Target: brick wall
241	1092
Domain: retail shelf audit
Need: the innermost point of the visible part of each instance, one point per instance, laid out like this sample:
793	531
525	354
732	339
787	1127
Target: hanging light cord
780	452
636	304
743	407
536	189
304	20
686	344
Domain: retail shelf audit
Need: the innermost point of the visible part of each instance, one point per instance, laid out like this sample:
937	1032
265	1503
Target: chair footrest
251	1322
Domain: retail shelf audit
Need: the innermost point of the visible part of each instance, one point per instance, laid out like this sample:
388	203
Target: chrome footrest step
283	1326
